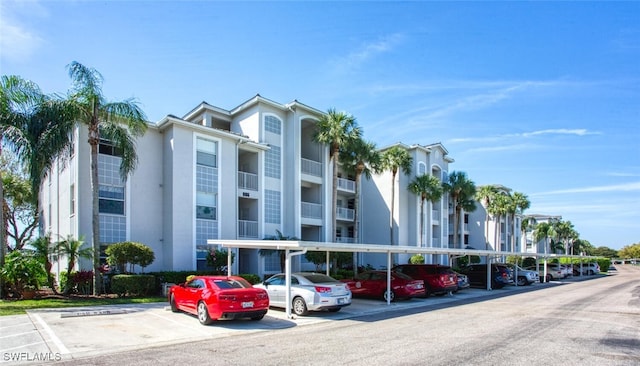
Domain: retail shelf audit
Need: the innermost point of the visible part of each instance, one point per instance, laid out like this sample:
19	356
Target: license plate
247	304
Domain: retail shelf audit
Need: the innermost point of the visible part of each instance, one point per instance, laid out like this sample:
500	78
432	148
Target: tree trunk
94	140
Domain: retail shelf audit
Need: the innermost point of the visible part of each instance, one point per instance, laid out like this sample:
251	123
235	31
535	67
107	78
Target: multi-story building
376	205
244	173
530	245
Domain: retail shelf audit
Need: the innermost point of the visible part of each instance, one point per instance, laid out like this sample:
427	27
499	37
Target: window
105	147
272	206
72	200
206	152
272	124
272	162
422	169
111	199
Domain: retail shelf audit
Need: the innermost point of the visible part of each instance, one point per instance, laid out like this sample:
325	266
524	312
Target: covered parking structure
294	248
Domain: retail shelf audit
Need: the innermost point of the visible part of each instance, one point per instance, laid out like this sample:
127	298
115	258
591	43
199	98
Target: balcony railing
345	239
311	210
345	214
247	229
311	167
346	184
248	181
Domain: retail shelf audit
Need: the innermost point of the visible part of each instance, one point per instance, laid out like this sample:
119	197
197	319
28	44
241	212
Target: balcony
247	229
346	240
311	167
347	185
248	181
345	214
311	210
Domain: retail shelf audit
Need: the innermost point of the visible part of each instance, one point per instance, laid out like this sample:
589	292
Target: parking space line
18	334
20	346
180	324
54	338
16	325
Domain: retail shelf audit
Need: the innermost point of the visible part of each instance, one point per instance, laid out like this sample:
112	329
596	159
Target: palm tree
564	233
37	128
336	129
72	249
528	223
544	231
463	192
359	157
281	253
117	122
43	251
516	204
498	210
430	189
393	159
484	195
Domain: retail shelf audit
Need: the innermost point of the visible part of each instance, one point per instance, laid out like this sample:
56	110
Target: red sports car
219	297
374	284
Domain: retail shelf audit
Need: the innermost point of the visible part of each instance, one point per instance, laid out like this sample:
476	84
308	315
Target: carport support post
389	278
287	278
489	274
229	261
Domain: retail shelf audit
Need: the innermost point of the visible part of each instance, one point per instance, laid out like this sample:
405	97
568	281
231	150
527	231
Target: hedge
133	285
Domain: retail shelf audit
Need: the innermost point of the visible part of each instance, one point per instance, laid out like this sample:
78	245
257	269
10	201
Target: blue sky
541	97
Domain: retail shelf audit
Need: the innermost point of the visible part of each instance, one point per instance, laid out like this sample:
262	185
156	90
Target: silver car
309	292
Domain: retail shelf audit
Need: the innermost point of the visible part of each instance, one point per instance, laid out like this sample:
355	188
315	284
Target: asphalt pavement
47	335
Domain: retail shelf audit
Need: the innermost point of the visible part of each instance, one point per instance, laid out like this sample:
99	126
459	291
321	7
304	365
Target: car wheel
591	272
203	314
522	281
389	295
256	318
549	278
299	307
172	303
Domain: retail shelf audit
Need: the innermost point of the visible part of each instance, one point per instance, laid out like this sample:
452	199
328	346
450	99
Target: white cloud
17	41
627	187
367	51
558	131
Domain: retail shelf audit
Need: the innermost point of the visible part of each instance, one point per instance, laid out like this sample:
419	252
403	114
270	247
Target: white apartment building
243	173
376	205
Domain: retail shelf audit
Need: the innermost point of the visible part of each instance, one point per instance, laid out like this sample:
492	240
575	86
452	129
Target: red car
438	280
219	297
374	284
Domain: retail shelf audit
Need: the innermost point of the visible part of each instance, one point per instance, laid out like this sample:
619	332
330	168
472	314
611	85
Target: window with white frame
272	162
272	124
206	190
272	206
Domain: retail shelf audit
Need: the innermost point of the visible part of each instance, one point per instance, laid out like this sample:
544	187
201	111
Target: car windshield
231	283
318	278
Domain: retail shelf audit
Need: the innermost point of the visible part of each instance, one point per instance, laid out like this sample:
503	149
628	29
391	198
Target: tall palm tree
484	195
72	249
336	129
528	223
393	159
517	203
430	189
359	157
498	209
36	128
462	191
544	231
564	233
117	122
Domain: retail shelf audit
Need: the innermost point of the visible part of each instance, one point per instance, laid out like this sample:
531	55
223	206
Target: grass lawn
19	307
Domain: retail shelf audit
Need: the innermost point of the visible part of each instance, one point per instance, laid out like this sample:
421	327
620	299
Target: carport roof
368	248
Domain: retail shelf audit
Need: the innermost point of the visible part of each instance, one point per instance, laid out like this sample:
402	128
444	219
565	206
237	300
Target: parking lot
70	333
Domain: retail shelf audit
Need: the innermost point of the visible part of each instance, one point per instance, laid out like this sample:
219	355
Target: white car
586	269
525	276
309	292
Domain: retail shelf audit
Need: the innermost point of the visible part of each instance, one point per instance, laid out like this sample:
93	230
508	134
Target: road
592	322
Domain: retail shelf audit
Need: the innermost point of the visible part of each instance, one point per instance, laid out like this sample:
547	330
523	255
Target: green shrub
133	285
131	253
416	259
251	278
